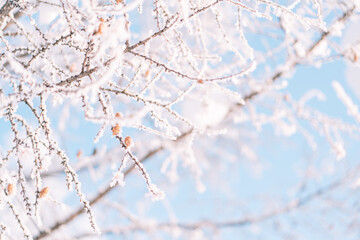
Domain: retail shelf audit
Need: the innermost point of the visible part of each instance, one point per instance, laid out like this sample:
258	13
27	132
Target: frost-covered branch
205	87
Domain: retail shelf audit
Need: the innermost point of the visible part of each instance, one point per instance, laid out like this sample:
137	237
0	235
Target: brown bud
128	142
287	97
100	28
118	115
44	192
200	81
147	73
116	129
79	154
72	67
10	189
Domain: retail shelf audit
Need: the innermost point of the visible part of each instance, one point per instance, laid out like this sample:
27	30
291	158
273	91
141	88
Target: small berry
200	81
118	115
44	192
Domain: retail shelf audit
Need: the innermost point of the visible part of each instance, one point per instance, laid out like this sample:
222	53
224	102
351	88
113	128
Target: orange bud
100	28
79	153
72	67
116	129
118	115
44	192
10	189
147	73
200	81
128	142
118	1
